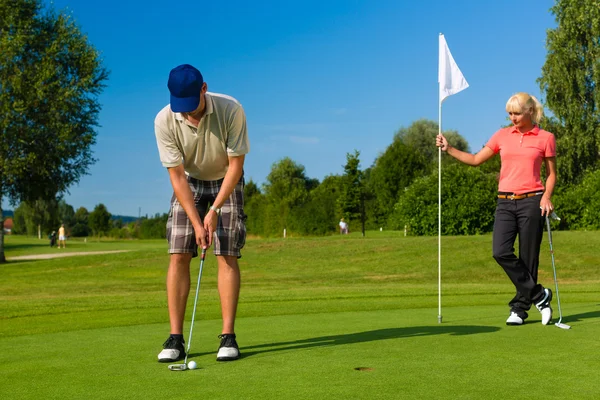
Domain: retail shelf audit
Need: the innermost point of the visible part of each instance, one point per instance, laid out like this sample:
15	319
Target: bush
468	203
578	205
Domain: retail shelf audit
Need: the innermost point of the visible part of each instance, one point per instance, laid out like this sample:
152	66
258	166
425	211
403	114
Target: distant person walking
343	227
62	237
202	141
523	200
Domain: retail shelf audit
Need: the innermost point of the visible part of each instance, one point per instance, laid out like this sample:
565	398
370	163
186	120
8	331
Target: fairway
335	317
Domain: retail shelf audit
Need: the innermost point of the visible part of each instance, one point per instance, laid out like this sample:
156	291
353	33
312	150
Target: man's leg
178	288
229	290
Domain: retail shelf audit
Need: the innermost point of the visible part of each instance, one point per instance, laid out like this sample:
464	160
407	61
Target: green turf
311	312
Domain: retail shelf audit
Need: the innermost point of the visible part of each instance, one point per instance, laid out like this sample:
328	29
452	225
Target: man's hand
210	224
201	239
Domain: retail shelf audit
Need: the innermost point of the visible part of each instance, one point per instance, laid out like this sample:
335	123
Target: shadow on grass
362	337
580	317
20	246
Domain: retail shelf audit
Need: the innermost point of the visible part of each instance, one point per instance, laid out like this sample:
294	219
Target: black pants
523	218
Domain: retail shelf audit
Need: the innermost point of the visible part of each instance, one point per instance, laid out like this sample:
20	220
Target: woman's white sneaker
514	319
544	308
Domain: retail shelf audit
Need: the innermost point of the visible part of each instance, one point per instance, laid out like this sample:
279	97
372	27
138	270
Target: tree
391	173
286	188
421	134
570	83
99	220
351	199
66	214
81	227
37	217
50	78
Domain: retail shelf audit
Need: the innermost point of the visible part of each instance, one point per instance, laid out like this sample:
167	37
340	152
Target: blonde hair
526	103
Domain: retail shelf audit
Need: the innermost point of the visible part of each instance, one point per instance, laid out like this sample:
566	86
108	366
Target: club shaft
554	270
195	304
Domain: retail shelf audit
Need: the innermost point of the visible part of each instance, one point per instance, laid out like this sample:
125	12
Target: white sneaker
514	319
544	308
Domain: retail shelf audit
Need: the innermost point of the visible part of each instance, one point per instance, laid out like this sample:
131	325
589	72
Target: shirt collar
534	131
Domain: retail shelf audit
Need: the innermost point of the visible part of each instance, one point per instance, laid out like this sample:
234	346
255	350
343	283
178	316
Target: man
202	141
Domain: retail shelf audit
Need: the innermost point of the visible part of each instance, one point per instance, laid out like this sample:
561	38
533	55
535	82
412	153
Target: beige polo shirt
204	151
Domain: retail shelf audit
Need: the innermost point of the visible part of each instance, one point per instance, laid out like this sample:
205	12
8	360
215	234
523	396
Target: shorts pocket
240	230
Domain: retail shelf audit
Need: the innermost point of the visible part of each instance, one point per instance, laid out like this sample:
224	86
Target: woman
523	201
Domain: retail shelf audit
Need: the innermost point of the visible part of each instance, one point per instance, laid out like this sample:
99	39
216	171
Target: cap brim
184	104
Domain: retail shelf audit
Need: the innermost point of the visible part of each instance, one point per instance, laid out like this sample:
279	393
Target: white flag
450	78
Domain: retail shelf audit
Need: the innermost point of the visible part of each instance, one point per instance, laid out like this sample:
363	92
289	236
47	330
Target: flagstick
451	81
440	221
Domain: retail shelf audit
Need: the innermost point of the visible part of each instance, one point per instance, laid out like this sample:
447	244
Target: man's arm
185	197
232	177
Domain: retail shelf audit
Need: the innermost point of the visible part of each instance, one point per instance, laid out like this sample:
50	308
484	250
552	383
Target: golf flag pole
451	81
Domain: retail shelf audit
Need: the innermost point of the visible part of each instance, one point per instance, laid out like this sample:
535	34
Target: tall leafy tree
37	217
81	227
351	199
420	135
99	220
50	78
286	188
392	172
570	84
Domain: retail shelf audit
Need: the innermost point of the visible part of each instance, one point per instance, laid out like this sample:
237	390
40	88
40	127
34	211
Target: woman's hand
440	141
546	206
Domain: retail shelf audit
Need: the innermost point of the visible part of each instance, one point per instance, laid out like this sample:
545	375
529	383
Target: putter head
554	217
178	367
563	326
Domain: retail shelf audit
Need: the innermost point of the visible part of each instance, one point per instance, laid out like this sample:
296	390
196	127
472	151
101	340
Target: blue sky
318	79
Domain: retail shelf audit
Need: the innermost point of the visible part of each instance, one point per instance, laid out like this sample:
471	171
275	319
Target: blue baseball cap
185	85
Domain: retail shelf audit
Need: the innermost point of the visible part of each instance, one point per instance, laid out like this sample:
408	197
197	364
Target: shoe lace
171	343
227	340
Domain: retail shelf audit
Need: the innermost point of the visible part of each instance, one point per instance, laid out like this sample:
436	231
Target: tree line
51	78
40	218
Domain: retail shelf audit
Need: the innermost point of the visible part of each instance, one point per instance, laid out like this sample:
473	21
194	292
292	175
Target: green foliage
319	215
50	78
392	172
99	220
287	188
34	215
468	203
153	228
351	191
81	228
569	81
421	134
66	214
578	205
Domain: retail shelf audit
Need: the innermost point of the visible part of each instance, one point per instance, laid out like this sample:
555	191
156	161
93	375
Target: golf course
337	317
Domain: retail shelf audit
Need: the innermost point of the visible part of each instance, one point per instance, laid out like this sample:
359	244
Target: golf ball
192	365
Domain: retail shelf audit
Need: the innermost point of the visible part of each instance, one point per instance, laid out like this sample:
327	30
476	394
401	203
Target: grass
334	317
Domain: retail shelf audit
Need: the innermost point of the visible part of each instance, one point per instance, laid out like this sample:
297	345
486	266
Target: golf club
183	367
555	217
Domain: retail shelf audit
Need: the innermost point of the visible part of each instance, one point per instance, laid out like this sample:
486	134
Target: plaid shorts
230	235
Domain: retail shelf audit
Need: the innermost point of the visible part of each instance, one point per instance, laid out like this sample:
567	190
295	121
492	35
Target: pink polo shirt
522	155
